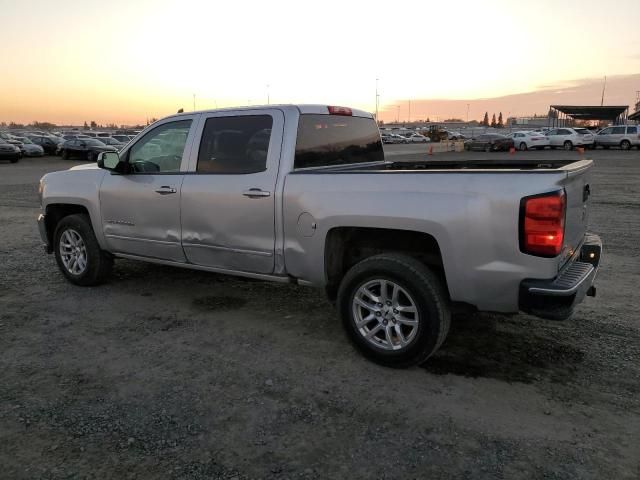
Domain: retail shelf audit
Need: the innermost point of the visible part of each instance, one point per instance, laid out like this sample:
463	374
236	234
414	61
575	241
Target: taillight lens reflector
340	111
542	224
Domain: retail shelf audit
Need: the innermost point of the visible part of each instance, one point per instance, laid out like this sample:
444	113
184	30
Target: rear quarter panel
472	215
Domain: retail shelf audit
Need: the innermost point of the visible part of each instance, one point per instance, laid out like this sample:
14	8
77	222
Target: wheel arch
346	246
54	212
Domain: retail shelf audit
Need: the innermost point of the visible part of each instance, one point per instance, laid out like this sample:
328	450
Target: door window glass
161	149
632	130
618	131
236	145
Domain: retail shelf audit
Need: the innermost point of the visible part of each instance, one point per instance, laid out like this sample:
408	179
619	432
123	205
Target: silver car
623	136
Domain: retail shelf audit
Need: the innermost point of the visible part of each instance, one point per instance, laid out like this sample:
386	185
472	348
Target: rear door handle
166	190
256	193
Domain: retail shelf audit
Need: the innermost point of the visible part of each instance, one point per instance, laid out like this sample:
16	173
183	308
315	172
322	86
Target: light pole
467	113
409	112
268	99
194	102
377	97
398	115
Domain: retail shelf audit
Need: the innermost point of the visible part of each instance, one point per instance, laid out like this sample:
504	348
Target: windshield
92	142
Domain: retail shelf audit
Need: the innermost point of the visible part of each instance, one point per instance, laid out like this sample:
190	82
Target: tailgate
578	190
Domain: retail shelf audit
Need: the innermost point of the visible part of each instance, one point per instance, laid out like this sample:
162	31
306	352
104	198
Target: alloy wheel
385	314
73	252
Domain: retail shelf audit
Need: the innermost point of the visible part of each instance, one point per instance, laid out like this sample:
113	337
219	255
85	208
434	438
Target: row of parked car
16	144
624	137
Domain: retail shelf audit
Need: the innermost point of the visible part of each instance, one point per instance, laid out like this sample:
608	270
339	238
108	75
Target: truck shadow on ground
511	349
504	348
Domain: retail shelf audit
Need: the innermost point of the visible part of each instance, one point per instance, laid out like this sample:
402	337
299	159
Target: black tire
606	147
426	290
90	156
65	154
488	148
522	147
98	262
625	145
567	145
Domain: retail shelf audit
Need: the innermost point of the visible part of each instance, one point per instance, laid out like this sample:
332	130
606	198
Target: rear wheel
568	145
65	154
488	148
523	146
394	309
78	253
625	145
15	160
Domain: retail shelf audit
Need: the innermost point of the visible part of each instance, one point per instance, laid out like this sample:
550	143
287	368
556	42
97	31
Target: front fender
80	187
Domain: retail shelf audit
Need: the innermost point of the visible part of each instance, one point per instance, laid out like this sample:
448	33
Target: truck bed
476	165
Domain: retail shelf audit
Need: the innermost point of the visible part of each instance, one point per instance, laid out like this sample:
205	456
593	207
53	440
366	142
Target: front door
228	198
141	209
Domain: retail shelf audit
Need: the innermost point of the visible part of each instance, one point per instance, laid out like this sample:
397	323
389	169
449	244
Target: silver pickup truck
302	194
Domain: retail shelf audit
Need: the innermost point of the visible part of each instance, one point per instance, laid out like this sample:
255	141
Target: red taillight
542	224
340	111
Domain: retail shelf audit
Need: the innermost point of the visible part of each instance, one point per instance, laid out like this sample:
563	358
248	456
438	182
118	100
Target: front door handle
166	190
256	193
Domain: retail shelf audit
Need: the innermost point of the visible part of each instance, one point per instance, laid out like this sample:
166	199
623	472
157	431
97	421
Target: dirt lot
167	373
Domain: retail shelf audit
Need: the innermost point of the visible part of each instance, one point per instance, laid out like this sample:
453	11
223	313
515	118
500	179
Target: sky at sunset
67	61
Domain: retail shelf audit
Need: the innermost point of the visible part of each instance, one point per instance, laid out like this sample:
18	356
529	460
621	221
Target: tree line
495	124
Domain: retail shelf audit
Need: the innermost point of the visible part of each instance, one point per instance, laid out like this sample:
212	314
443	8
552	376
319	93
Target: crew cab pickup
303	194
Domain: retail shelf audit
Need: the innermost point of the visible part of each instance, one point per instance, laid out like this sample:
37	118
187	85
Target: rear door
228	197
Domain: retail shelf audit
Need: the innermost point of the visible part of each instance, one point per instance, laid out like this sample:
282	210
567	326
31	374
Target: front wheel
394	309
65	154
488	148
568	145
625	145
523	147
78	253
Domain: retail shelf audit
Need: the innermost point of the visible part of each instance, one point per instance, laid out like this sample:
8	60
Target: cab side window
161	149
235	145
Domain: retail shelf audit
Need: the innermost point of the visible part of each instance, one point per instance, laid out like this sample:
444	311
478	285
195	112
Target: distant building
535	121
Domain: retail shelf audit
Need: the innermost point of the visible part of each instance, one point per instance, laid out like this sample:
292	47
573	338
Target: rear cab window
333	140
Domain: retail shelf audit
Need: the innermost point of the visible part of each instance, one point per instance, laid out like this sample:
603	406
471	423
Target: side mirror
108	160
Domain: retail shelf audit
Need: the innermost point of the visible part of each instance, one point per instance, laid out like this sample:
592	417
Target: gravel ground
168	373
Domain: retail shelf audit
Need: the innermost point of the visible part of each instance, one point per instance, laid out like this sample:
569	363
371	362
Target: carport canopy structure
559	115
